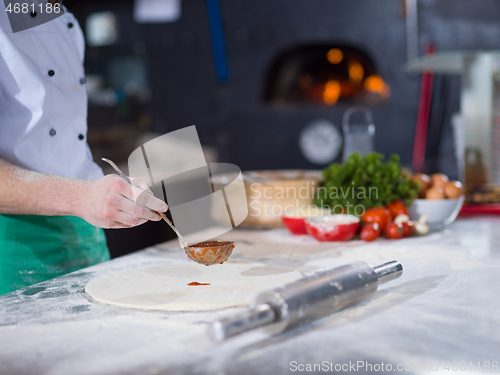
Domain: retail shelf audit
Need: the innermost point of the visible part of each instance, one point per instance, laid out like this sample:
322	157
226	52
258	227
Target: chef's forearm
108	202
26	192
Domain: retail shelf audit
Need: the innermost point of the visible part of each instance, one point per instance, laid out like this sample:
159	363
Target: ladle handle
115	167
184	242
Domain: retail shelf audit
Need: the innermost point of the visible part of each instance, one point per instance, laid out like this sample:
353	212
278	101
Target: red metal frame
424	106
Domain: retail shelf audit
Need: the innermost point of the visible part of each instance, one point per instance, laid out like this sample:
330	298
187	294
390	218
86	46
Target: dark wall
461	24
232	116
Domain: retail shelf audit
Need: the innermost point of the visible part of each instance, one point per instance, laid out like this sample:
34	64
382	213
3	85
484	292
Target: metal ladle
216	252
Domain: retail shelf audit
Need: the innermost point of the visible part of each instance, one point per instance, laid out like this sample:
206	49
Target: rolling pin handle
388	271
255	318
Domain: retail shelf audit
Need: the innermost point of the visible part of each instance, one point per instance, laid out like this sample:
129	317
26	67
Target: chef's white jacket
43	98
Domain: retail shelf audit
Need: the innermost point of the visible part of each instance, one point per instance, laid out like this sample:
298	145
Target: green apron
39	248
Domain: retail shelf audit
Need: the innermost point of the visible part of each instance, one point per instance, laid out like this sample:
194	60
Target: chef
54	199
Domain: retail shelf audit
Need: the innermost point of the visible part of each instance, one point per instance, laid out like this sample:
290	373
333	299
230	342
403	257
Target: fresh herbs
361	183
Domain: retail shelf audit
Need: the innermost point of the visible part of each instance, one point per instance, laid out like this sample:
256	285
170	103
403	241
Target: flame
335	56
376	84
332	92
356	71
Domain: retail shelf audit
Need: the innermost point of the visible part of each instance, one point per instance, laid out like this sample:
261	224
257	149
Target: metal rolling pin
307	299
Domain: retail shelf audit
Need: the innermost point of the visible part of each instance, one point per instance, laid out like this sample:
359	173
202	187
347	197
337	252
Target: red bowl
294	220
295	224
332	227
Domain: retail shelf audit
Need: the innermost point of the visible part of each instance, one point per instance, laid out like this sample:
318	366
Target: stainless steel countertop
445	308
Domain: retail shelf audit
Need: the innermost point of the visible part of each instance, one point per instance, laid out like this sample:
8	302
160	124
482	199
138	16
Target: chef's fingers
125	220
130	207
108	202
141	184
143	198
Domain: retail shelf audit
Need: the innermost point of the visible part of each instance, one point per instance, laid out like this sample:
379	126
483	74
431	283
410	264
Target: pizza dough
165	287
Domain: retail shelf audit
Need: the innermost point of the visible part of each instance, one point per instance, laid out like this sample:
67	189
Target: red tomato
370	232
397	208
394	230
407	228
378	215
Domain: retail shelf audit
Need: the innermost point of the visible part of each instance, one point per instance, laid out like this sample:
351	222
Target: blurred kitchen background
266	82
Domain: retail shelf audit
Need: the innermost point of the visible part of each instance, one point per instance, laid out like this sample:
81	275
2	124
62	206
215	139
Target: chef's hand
111	202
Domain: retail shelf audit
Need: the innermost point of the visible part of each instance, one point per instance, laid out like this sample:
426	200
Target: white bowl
441	212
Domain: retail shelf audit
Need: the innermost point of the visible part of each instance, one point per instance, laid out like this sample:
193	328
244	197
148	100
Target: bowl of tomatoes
339	227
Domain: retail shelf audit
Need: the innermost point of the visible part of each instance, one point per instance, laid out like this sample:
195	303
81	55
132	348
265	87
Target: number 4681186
470	366
32	8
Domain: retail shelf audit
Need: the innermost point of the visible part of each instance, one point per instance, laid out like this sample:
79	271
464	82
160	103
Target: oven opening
324	75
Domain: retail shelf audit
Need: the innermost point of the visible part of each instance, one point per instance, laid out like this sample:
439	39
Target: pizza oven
325	74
